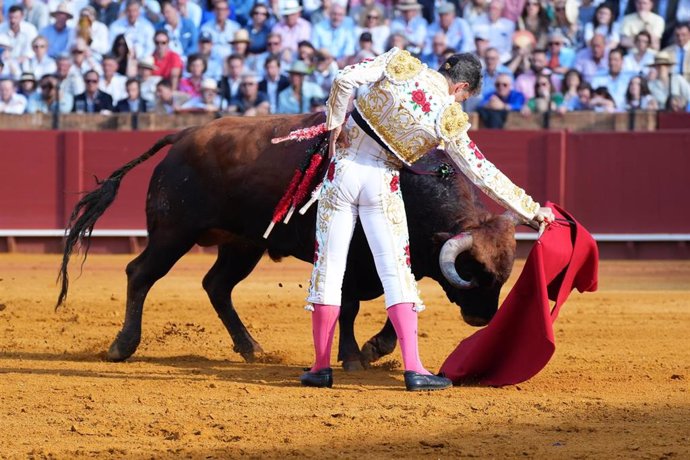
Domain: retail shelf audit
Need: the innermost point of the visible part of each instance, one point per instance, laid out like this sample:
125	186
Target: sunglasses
91	81
47	86
38	46
555	43
372	16
273	43
500	84
161	42
248	84
260	13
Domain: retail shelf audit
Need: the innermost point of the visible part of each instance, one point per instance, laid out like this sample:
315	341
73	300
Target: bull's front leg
380	345
348	349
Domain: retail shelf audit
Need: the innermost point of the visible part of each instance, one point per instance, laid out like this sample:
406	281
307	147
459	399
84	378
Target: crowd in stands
250	57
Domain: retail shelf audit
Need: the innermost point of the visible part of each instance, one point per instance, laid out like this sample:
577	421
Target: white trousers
363	180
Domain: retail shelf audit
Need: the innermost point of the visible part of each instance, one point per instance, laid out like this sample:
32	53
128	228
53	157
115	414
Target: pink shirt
513	9
293	35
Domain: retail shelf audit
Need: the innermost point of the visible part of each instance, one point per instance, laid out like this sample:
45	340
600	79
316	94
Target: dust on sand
616	387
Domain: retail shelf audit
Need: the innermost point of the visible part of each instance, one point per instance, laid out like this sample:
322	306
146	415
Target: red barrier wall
613	182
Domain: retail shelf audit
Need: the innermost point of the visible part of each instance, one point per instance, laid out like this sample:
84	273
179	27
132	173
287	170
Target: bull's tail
92	206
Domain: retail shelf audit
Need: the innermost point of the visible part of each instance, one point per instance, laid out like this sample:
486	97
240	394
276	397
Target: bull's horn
449	252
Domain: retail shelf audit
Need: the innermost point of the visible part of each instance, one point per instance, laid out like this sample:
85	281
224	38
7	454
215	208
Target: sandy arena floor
616	388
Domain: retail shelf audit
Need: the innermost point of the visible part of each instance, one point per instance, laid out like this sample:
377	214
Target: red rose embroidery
331	171
418	97
476	150
395	183
316	251
407	255
426	108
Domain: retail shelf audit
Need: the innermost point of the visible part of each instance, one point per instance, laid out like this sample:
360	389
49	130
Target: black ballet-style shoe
414	381
323	378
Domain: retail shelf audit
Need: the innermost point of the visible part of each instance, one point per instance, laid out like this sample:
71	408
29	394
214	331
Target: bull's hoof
374	350
353	366
250	353
121	349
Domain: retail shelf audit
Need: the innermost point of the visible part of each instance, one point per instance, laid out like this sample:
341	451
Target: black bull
219	184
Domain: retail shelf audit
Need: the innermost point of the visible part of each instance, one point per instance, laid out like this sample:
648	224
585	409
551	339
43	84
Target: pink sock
404	320
323	320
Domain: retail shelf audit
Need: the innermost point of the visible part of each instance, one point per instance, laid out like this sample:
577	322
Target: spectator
638	96
317	105
565	22
546	98
492	69
10	101
438	45
587	11
602	101
525	82
214	63
36	13
306	53
125	57
147	81
296	98
397	40
138	31
107	11
603	24
673	13
534	19
335	35
584	97
221	28
93	100
82	59
481	42
500	30
69	77
681	49
372	21
190	10
209	101
19	35
475	10
230	82
47	101
358	10
593	60
325	70
258	28
292	28
366	46
513	9
677	104
196	67
134	103
637	59
240	44
93	32
27	85
40	64
112	82
274	47
642	19
250	101
182	32
167	63
560	57
616	80
410	25
274	82
666	83
321	13
504	97
458	33
571	82
167	100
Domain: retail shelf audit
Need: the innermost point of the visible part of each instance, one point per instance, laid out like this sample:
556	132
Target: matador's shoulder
452	122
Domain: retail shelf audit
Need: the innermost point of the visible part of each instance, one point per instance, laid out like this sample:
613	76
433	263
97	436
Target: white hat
209	83
62	8
407	5
290	7
147	63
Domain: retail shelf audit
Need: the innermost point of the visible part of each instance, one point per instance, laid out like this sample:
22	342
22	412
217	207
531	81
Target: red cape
519	341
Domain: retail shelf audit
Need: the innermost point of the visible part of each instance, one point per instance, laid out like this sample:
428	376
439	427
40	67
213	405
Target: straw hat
445	8
27	76
407	5
241	36
662	58
299	67
290	7
62	9
209	83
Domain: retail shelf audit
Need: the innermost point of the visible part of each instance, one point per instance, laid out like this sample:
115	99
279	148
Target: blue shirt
617	86
183	39
339	41
515	99
287	102
488	81
57	41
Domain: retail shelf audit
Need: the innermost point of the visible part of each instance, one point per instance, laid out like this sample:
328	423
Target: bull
219	184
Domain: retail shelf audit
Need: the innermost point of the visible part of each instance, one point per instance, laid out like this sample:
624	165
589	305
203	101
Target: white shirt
500	34
116	87
100	41
21	41
221	35
15	106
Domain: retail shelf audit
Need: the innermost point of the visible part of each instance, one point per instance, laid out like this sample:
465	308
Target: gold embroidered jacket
408	106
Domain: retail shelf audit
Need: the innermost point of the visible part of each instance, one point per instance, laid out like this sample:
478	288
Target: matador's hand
544	217
335	132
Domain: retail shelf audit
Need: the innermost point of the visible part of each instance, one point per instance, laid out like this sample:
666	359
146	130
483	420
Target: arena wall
629	189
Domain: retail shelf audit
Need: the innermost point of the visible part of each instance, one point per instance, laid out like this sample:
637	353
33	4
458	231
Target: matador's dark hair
463	67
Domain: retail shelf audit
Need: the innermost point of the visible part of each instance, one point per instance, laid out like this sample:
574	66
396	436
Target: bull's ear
440	238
